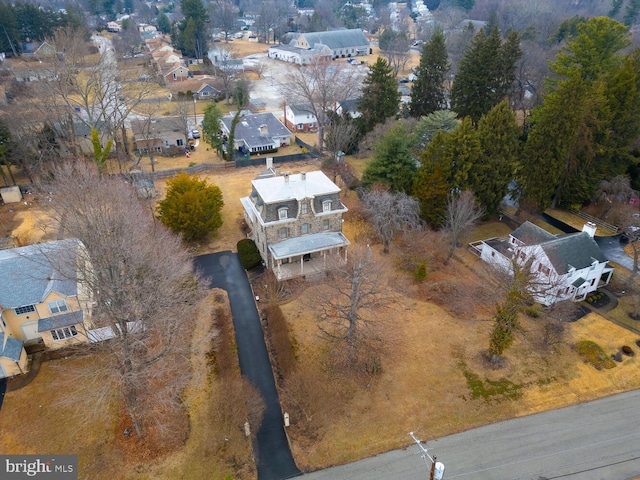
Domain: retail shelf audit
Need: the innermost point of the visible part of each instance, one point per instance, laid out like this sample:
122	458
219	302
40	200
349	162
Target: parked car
195	133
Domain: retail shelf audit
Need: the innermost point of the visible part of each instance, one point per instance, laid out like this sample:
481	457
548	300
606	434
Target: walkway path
273	455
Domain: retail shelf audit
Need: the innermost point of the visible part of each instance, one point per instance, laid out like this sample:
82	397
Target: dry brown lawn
440	329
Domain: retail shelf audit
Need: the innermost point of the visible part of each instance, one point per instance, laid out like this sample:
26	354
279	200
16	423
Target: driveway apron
273	455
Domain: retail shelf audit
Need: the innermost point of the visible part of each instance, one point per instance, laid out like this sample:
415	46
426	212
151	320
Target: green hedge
248	254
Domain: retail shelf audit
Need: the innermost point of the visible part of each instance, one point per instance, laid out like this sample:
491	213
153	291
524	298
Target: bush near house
248	254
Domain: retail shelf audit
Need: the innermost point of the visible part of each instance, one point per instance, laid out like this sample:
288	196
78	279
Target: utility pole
436	469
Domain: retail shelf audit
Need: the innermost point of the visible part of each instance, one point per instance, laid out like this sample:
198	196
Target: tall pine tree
499	139
380	96
486	74
429	92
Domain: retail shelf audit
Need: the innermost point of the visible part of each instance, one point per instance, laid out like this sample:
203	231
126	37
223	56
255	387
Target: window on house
25	309
58	306
205	94
304	208
326	206
300	126
593	281
283	213
283	233
66	332
493	254
566	290
304	228
180	142
325	224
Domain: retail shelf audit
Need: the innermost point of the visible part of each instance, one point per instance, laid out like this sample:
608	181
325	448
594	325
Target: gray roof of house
577	250
294	187
337	38
248	128
531	234
59	321
11	349
157	128
29	274
307	244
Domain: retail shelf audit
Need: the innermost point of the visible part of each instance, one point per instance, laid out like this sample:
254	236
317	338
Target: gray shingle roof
27	274
11	349
337	38
577	250
59	321
531	234
248	129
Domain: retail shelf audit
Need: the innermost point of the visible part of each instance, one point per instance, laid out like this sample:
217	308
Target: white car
195	133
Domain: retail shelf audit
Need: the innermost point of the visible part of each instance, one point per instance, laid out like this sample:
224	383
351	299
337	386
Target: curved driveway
273	455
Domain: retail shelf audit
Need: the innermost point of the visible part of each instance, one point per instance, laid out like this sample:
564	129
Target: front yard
432	378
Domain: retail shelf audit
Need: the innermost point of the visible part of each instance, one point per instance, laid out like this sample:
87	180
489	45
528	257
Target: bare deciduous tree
144	294
341	135
319	85
390	213
350	310
462	213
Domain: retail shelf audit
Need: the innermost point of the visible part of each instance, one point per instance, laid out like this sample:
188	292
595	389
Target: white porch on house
307	255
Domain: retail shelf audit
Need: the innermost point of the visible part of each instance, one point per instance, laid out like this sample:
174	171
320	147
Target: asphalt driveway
273	455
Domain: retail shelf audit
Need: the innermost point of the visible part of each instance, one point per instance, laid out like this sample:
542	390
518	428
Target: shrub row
282	347
248	254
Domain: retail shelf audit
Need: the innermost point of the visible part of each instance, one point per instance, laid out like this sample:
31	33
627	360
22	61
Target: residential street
273	456
596	440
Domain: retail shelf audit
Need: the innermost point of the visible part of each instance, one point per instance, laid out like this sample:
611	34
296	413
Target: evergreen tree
583	130
192	207
427	127
431	186
486	74
380	94
163	23
464	151
193	29
392	164
211	126
499	139
429	92
631	12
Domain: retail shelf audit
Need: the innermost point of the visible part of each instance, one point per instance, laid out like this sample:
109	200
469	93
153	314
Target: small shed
11	194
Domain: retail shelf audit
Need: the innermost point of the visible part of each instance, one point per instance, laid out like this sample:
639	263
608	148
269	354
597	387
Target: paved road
273	455
597	440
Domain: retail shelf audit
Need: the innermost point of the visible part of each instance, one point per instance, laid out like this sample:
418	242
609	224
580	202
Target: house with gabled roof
257	133
564	267
295	221
42	302
298	118
332	44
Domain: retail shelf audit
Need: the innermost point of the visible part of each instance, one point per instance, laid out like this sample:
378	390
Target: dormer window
326	206
304	208
283	213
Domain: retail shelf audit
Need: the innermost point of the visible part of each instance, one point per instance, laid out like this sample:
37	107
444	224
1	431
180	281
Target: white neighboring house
332	44
296	222
257	133
566	267
300	119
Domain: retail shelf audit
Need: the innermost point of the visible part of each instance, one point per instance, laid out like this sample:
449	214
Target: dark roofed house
566	267
257	133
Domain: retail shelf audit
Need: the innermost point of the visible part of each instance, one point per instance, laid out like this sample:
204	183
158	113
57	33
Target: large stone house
563	267
296	222
42	303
